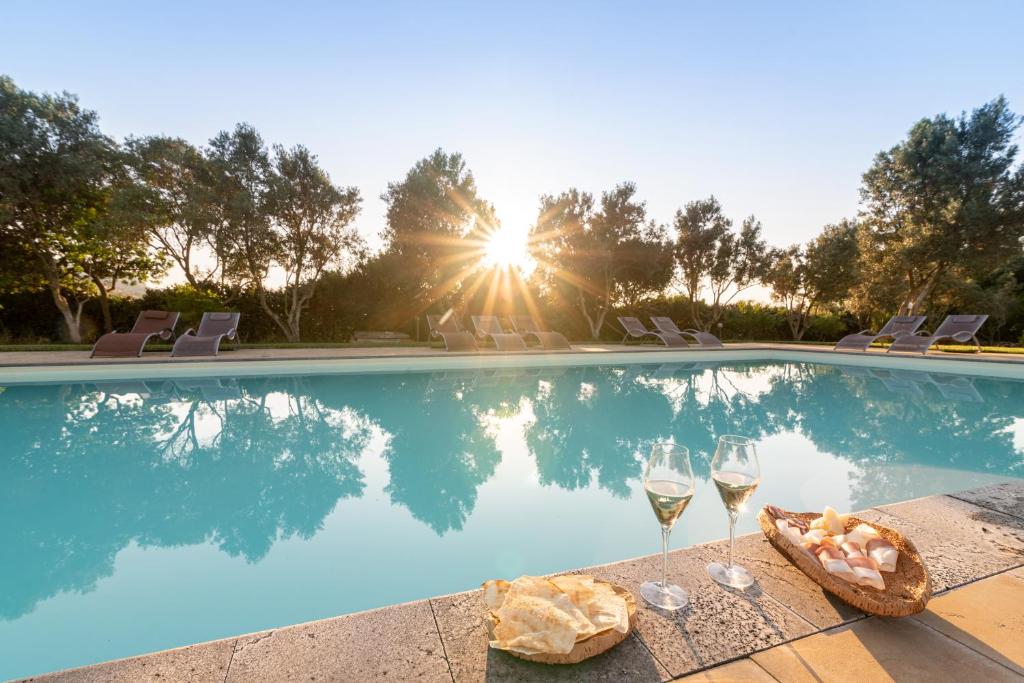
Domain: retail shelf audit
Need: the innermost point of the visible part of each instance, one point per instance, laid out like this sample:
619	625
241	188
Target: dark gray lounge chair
526	326
205	341
447	328
149	324
704	339
959	328
636	330
489	327
897	325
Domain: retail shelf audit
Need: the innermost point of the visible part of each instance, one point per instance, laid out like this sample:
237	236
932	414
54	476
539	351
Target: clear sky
774	107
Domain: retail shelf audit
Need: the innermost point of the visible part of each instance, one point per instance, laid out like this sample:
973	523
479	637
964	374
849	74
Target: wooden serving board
584	649
907	590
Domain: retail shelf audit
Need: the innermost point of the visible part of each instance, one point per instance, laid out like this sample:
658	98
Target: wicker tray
907	590
584	649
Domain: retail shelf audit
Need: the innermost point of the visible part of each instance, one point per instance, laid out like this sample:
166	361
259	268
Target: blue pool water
137	516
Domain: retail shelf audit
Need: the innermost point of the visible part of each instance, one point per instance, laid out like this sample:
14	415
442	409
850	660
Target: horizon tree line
941	219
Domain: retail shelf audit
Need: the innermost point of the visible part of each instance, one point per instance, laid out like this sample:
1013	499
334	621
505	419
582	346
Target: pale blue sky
776	108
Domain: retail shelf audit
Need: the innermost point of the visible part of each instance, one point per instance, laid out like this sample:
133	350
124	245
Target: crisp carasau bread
534	615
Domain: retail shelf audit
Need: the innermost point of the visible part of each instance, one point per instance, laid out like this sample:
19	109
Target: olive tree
804	279
945	203
711	257
61	184
279	217
594	258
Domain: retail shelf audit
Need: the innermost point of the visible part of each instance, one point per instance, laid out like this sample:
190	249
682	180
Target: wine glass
668	482
736	474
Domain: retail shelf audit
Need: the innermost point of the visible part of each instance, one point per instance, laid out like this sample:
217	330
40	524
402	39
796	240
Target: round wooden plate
584	649
907	589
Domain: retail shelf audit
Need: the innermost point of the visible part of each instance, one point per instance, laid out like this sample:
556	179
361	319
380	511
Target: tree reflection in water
88	469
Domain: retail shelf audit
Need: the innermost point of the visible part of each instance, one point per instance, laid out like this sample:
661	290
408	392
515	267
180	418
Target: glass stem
664	557
732	535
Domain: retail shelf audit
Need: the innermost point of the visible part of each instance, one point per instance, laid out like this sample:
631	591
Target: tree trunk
915	300
594	326
72	319
108	322
290	334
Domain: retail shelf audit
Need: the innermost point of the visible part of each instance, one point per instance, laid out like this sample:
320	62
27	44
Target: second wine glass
736	474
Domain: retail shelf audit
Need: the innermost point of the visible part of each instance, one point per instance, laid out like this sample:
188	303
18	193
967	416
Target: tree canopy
594	258
946	202
712	258
803	279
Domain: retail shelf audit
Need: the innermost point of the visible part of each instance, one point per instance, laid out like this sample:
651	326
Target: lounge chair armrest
166	333
189	332
962	336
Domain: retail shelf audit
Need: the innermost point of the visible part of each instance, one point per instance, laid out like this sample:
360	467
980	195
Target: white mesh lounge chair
527	327
489	327
446	327
205	341
636	330
704	340
959	328
149	324
897	325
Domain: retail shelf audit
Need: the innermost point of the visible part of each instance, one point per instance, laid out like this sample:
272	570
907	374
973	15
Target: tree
711	257
118	250
594	259
280	216
434	220
822	273
58	180
311	222
947	202
175	189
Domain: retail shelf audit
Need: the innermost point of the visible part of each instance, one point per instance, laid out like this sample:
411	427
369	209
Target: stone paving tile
460	620
780	579
740	670
718	625
192	664
396	643
987	616
878	649
960	542
1007	498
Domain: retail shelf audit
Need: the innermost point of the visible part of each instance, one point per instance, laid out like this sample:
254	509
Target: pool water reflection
137	516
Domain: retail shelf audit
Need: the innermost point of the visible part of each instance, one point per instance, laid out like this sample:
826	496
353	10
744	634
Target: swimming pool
144	514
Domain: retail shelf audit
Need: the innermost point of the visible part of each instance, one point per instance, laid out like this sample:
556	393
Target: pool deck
784	628
81	358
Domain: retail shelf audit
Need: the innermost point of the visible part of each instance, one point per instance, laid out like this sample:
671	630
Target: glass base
734	576
668	597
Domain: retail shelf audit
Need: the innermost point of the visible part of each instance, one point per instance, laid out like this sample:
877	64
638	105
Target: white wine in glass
668	483
736	473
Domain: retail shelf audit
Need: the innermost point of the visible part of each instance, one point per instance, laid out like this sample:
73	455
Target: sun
506	248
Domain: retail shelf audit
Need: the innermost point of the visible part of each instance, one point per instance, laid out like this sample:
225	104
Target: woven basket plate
907	590
584	649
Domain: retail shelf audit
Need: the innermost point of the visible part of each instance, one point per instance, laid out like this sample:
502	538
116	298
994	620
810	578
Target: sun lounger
205	341
526	326
149	324
636	330
447	328
489	327
704	339
897	325
959	328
